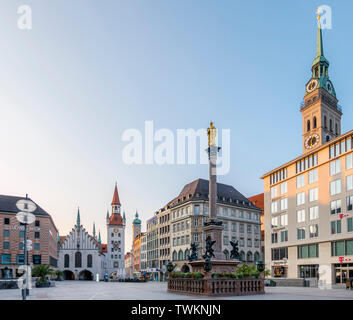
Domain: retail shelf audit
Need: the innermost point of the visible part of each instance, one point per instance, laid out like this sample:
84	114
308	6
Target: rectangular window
335	187
234	227
6	258
284	219
274	237
335	167
20	259
313	176
314	213
22	234
300	181
249	242
284	204
300	198
301	215
6	233
6	220
37	223
196	209
283	187
37	246
274	207
37	259
249	228
350	224
241	228
313	194
336	227
225	240
232	212
301	233
314	231
225	224
349	203
284	236
6	245
349	161
336	206
350	183
308	251
36	235
274	222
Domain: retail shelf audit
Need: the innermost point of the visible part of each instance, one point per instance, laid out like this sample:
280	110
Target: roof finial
99	237
94	230
78	221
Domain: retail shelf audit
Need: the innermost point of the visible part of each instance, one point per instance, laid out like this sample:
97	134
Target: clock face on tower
329	86
312	85
312	141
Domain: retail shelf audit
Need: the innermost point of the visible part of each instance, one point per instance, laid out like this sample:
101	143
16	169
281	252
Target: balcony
303	105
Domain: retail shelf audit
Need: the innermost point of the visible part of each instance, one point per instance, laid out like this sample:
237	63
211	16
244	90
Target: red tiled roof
62	238
116	200
116	219
258	201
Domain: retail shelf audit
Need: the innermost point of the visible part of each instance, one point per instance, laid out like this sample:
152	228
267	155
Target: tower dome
137	221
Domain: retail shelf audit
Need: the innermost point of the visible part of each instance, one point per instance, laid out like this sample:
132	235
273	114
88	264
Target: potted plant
42	272
197	275
215	275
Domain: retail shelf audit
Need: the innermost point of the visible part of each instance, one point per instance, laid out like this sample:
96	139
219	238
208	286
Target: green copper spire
58	239
319	45
99	237
319	68
94	230
78	221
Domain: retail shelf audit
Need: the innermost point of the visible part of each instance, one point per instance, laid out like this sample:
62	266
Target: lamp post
170	268
26	217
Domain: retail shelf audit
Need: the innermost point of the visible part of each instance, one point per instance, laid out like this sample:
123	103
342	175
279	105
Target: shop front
343	271
279	271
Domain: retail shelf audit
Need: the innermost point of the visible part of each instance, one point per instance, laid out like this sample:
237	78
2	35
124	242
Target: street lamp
26	217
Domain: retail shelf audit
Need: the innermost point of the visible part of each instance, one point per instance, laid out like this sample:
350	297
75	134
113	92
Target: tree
42	271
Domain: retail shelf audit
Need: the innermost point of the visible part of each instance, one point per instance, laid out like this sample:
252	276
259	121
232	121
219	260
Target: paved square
89	290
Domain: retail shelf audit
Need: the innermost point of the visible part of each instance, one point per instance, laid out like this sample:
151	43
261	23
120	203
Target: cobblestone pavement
89	290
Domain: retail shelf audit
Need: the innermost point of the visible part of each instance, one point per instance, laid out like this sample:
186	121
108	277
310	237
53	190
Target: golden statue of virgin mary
211	132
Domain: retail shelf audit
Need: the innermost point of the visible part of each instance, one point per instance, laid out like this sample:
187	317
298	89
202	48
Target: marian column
213	227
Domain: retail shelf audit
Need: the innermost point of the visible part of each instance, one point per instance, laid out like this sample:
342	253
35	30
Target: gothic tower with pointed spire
321	114
115	238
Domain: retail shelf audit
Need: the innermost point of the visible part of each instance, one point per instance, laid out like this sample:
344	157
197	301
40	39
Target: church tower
136	227
321	113
116	238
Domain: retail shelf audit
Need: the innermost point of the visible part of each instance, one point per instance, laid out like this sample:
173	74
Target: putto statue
209	251
234	254
211	132
193	256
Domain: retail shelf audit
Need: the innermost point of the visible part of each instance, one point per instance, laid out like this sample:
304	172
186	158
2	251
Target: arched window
187	252
226	253
249	257
256	256
331	126
78	260
180	255
325	122
89	261
336	128
175	256
308	126
66	261
314	123
242	256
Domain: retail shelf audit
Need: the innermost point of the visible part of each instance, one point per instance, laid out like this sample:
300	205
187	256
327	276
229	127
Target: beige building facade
308	201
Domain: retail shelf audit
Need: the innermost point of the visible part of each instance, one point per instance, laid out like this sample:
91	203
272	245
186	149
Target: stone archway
69	275
185	268
85	275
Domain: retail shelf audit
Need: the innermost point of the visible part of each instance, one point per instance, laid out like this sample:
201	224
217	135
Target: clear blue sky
88	70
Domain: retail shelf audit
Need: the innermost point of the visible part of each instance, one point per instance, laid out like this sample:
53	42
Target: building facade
82	256
308	201
152	248
189	211
43	234
259	201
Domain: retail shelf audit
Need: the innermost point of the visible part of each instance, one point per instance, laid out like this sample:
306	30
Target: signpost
26	217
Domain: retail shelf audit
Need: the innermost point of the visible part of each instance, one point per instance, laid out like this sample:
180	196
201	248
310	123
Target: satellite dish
25	217
26	205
